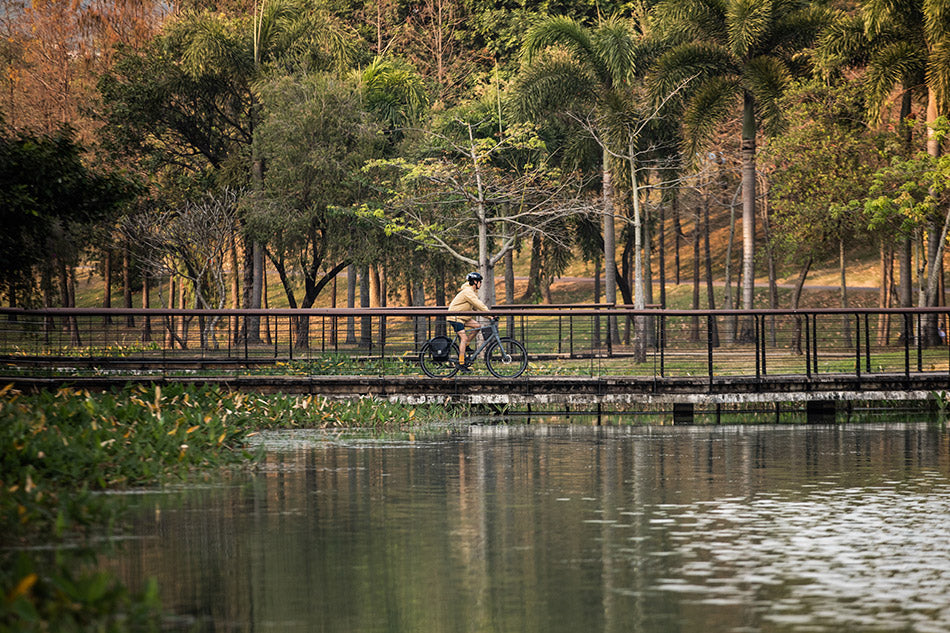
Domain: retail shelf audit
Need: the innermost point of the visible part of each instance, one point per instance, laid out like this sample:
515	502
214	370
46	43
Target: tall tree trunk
146	304
732	322
626	278
440	298
610	247
796	297
596	335
746	326
532	293
107	282
770	258
419	299
846	318
351	303
677	234
235	291
650	324
509	278
185	322
710	291
374	299
694	330
333	320
639	293
906	285
661	221
935	243
366	322
266	305
257	293
71	303
170	320
884	295
933	278
127	284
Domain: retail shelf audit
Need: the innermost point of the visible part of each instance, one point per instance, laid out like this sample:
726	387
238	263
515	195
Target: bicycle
505	357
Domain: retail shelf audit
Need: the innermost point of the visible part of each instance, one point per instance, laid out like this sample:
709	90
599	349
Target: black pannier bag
440	347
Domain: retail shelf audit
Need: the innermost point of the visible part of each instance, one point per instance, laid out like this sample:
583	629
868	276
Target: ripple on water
875	558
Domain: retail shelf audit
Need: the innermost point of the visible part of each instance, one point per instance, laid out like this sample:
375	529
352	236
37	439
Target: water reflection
565	528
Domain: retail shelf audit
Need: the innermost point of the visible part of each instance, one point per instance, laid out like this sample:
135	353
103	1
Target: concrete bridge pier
821	411
683	413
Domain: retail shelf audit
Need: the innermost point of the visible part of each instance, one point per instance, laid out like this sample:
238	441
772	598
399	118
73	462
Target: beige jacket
467	300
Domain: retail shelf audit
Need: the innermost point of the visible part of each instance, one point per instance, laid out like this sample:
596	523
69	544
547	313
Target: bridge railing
583	340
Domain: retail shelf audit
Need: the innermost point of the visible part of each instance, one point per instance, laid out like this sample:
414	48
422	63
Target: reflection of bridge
662	359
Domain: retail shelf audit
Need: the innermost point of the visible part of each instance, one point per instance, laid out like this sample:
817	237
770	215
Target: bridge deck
539	390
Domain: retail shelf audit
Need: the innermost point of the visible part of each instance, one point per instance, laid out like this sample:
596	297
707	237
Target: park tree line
191	147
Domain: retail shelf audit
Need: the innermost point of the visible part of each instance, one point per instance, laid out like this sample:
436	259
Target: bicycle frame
493	326
504	357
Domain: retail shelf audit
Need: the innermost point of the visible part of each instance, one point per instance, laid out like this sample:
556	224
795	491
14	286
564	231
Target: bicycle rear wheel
507	360
439	365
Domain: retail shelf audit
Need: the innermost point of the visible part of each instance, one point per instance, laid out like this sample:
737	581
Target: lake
561	528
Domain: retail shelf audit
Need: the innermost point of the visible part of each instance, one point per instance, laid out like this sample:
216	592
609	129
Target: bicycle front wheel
439	365
506	360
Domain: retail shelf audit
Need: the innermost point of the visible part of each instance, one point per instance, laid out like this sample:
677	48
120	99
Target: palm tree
733	52
395	91
281	36
585	72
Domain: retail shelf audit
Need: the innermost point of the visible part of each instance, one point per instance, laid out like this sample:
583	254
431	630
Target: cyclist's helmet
473	277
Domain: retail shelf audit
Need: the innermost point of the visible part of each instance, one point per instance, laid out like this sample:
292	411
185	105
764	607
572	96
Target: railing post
610	335
382	345
570	325
919	341
758	341
661	324
907	330
559	335
709	348
857	345
867	343
814	341
764	343
807	347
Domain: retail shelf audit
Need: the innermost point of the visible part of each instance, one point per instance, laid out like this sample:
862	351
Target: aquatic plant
59	449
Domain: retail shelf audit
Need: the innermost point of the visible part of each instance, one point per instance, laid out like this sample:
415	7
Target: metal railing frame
517	320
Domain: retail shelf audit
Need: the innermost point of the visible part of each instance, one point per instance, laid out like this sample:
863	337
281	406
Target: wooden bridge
583	358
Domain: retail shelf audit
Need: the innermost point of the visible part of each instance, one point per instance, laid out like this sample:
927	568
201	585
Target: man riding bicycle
467	300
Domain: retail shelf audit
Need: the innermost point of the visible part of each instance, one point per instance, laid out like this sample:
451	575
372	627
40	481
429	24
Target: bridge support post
683	413
820	411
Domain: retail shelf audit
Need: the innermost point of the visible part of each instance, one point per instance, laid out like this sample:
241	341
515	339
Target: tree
737	52
51	203
190	242
915	192
575	69
315	138
188	100
395	93
476	196
820	169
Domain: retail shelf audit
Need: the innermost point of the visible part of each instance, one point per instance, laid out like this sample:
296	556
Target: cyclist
466	301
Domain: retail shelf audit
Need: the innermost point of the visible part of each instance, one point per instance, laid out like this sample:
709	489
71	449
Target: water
564	528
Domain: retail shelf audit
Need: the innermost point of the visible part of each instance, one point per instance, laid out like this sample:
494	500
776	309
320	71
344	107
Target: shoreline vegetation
62	449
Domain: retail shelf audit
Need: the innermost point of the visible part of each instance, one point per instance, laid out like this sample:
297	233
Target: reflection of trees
509	529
